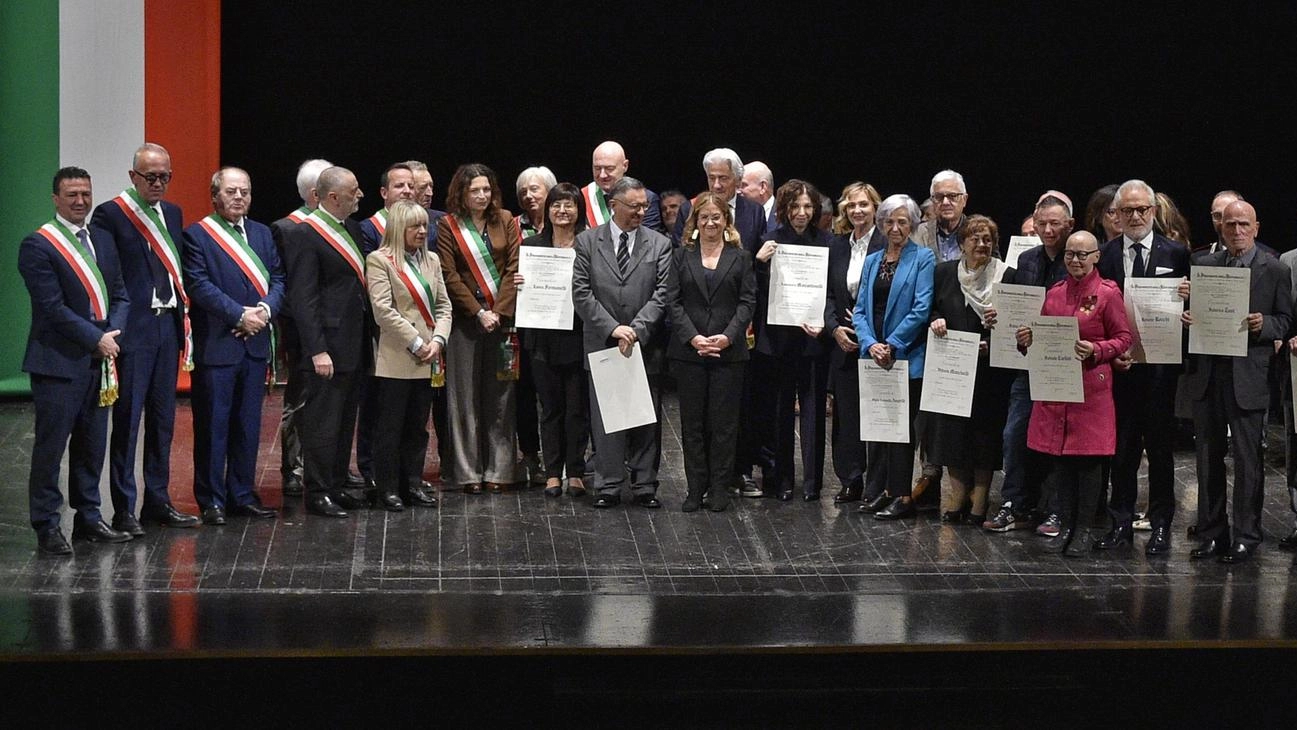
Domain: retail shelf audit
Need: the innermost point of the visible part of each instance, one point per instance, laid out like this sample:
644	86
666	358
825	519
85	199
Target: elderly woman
891	318
1081	436
413	315
714	301
478	243
970	448
798	362
533	188
557	365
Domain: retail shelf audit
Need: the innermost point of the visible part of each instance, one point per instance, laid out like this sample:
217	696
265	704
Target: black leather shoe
419	498
1289	542
293	486
98	532
354	481
1117	537
214	516
691	504
168	516
350	498
648	501
324	506
811	497
128	524
1208	549
896	510
1159	543
848	494
252	509
390	502
1080	545
874	505
786	495
1237	553
718	505
604	501
52	542
1058	543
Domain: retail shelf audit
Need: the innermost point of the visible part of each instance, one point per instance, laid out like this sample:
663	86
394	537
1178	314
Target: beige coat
398	317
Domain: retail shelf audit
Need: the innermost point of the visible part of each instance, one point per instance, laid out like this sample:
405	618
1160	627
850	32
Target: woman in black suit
710	312
556	360
970	447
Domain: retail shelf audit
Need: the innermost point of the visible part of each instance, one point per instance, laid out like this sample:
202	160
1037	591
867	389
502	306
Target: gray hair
762	171
899	200
218	178
148	147
1132	185
331	178
625	185
308	174
540	171
415	166
945	175
727	155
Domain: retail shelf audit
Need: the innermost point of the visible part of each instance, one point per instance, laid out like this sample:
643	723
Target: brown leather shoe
474	488
920	486
495	487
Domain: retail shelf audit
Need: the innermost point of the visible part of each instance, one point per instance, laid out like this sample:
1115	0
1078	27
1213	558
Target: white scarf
976	284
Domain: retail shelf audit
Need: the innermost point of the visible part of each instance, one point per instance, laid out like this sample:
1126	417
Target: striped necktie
623	252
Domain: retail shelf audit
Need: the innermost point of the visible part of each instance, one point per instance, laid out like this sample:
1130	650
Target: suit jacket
839	305
555	347
466	295
948	301
605	299
926	235
1271	295
329	302
1164	254
1035	268
723	307
905	320
398	317
64	332
108	224
785	340
370	238
749	219
219	290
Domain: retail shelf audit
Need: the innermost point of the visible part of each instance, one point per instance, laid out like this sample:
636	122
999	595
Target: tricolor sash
596	205
379	221
475	252
525	230
233	244
88	273
335	234
299	215
417	285
154	231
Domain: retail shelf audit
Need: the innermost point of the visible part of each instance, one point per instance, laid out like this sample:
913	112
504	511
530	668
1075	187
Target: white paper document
949	373
799	278
1153	309
621	389
884	401
545	298
1015	306
1055	373
1218	299
1018	244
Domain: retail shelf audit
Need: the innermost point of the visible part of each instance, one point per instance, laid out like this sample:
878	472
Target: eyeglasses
947	197
1069	255
637	207
1139	210
153	178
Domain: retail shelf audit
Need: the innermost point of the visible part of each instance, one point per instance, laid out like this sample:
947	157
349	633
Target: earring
694	236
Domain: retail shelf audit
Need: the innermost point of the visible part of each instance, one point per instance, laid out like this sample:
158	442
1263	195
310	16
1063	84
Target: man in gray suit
1234	392
1289	541
621	282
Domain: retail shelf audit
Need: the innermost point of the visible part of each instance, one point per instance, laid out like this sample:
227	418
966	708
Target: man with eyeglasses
609	164
1144	394
148	235
621	282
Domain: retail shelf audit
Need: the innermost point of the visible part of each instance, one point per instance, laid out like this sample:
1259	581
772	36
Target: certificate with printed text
799	279
884	401
1218	299
949	373
545	297
1153	309
1055	373
621	389
1015	306
1018	244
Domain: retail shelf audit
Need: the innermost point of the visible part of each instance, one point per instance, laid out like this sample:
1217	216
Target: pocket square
1161	270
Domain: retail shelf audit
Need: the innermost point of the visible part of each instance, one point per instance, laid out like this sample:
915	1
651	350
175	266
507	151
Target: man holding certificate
1233	392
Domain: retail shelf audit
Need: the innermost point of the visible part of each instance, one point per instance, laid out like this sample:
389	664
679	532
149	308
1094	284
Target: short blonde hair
402	215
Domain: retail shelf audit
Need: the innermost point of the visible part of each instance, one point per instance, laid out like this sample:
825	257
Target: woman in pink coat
1081	436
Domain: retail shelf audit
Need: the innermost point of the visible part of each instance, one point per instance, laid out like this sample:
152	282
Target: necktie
623	252
239	227
84	238
1138	268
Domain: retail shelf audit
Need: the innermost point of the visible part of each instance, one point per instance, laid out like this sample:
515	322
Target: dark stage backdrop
1018	97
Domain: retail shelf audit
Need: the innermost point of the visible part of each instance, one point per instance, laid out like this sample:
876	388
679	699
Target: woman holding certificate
478	243
413	315
970	448
716	296
557	366
1080	436
891	320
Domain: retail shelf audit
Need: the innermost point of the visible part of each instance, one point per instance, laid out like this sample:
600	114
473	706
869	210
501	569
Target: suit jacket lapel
694	263
727	259
902	274
639	252
603	243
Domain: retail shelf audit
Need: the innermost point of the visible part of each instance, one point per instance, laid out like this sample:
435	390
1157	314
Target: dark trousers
290	442
1211	415
328	425
756	415
564	416
400	438
1289	439
849	452
800	381
709	423
1145	404
227	430
528	423
1075	482
891	465
68	416
147	387
1024	470
441	424
635	450
366	425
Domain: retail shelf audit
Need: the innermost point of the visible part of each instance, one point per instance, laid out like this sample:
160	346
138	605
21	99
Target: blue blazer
108	224
64	333
905	321
219	290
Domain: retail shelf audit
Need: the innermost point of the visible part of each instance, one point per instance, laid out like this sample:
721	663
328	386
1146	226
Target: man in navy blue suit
724	171
79	307
146	231
236	284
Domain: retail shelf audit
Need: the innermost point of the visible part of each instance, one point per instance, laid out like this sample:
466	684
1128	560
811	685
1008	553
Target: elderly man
724	170
79	307
423	190
949	198
759	186
1232	392
146	230
1144	395
237	286
1218	205
621	283
609	164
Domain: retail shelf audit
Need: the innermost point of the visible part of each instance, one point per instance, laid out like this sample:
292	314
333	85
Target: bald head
1238	227
1083	240
338	191
608	163
758	184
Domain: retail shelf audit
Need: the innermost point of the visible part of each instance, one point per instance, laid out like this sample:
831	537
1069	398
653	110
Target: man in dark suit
758	185
1289	541
1218	204
237	285
330	305
146	230
423	190
1144	395
79	307
621	285
608	163
1233	392
290	464
724	170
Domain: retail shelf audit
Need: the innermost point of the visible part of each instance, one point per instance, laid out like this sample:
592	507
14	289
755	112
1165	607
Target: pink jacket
1089	428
